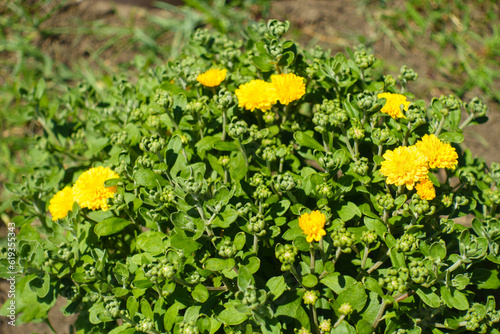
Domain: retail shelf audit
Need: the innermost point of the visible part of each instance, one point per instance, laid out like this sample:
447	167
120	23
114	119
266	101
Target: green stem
313	258
339	321
440	127
365	257
466	122
224	124
255	247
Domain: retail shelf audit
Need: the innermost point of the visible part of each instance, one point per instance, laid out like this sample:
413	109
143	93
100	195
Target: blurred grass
460	38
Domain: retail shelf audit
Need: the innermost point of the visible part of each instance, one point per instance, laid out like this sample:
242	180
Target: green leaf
437	251
226	146
344	328
171	315
454	298
245	278
237	167
306	140
354	294
214	264
226	218
146	309
111	226
263	63
200	293
152	242
429	297
349	211
452	137
132	306
309	281
230	316
173	149
148	178
276	286
286	59
376	225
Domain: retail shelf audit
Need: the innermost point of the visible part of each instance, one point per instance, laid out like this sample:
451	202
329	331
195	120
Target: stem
313	258
224	123
348	144
379	152
296	275
365	257
440	126
255	247
339	321
466	122
314	315
202	215
242	148
379	314
326	141
292	197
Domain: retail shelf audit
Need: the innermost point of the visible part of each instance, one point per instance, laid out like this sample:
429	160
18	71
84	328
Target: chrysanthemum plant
252	186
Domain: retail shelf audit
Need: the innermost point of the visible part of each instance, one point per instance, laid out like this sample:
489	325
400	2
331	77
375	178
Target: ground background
454	51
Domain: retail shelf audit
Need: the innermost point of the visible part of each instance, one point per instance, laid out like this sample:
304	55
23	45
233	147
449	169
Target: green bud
407	74
163	99
477	107
310	297
345	309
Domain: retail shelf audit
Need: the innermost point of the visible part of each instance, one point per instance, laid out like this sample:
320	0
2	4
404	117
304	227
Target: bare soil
333	24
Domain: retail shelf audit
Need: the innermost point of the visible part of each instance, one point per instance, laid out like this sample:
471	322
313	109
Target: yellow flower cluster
88	191
405	165
61	203
212	77
259	94
393	104
312	224
409	165
440	155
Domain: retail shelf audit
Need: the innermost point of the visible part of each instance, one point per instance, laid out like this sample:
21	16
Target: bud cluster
286	255
406	243
257	225
237	129
145	325
284	182
227	249
395	280
418	271
159	271
152	144
343	238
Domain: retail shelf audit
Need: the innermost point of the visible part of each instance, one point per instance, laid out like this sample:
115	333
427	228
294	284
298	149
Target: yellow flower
440	155
405	165
425	189
256	94
212	77
393	104
312	224
289	87
61	203
89	190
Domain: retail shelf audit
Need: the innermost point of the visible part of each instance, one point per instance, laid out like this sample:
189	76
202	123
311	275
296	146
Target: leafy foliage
203	235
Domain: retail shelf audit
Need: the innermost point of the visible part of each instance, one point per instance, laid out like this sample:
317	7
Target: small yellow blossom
425	189
393	104
405	165
212	77
256	94
289	87
61	203
312	224
89	190
440	155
